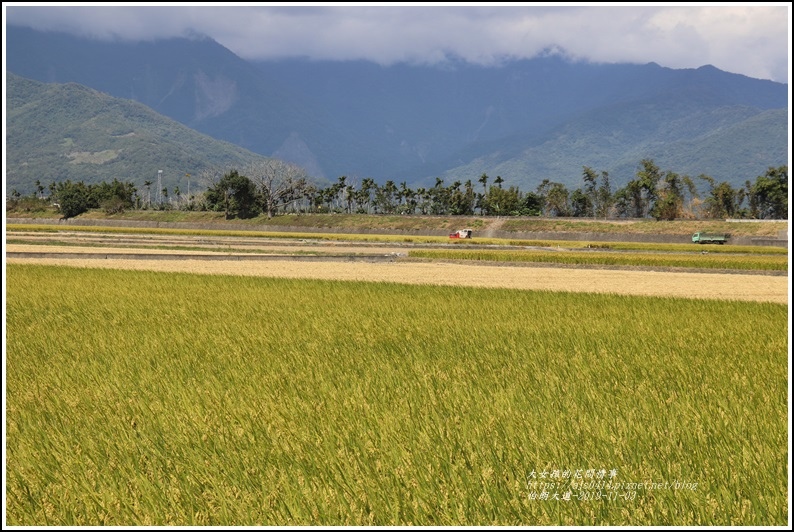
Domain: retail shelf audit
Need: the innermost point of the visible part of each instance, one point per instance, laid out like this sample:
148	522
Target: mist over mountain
527	120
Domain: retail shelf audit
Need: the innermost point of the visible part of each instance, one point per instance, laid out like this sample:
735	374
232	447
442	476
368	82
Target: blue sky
743	38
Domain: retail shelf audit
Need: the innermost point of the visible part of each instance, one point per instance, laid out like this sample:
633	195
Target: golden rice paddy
743	287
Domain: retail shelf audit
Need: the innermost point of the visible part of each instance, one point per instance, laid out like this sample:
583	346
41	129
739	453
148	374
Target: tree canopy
277	187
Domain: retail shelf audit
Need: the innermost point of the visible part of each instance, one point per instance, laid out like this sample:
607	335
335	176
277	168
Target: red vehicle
463	233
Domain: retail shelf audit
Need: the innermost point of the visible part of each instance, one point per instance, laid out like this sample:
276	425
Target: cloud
747	39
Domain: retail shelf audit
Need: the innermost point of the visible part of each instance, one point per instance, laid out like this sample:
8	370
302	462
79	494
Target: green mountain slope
56	132
731	143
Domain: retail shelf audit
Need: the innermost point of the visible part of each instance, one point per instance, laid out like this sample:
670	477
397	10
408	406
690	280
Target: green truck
709	238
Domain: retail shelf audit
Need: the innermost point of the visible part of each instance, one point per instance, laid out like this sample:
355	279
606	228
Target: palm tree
365	193
484	180
148	185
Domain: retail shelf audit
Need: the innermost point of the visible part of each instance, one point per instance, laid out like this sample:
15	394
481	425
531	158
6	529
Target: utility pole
159	186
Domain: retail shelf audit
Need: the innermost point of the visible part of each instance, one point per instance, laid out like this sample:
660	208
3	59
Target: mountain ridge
417	123
59	132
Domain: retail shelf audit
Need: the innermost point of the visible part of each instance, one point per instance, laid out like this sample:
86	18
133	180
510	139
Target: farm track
382	262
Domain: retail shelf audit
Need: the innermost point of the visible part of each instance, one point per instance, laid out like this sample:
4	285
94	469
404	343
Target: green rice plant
143	398
652	246
720	261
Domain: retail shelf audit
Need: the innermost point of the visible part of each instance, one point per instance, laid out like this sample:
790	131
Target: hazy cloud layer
748	39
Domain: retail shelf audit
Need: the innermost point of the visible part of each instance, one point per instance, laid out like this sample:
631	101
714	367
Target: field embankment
677	231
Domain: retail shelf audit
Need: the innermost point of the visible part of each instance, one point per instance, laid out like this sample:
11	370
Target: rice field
148	398
607	258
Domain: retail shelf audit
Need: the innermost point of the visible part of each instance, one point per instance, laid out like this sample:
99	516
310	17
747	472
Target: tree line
275	187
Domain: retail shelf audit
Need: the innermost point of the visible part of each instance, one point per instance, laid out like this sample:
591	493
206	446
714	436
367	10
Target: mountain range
57	132
525	120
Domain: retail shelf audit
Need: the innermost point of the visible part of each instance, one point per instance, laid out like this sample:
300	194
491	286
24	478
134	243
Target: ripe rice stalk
146	398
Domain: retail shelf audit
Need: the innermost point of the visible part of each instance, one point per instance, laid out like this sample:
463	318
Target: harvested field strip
48	250
745	287
13	248
137	398
146	256
733	262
